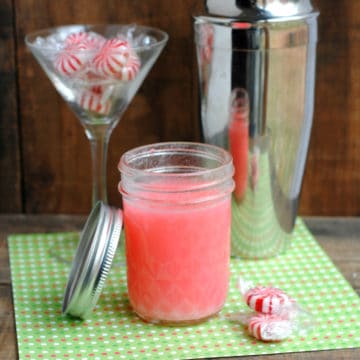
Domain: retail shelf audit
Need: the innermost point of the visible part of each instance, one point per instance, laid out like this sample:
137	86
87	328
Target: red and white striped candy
70	62
116	60
76	38
269	327
84	40
73	58
131	69
268	300
93	100
78	50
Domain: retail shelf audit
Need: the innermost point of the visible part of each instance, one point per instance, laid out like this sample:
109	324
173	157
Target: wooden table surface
340	238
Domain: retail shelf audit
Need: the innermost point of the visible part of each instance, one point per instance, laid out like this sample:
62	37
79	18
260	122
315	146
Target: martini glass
83	73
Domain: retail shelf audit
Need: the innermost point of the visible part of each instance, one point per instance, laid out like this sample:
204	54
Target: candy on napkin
275	317
269	327
268	300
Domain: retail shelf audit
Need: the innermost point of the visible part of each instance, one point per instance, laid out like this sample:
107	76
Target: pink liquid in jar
178	245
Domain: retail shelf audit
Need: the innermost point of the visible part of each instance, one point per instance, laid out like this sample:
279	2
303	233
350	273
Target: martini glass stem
99	136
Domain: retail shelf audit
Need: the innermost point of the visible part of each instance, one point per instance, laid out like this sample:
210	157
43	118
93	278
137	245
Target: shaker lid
92	260
253	10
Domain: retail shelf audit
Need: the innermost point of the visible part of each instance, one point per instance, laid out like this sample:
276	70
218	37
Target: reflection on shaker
255	168
206	34
207	38
239	139
255	229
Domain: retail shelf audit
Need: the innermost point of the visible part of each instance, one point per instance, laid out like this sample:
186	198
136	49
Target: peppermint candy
84	40
70	62
116	60
76	38
90	53
78	50
267	327
276	315
94	100
131	69
268	300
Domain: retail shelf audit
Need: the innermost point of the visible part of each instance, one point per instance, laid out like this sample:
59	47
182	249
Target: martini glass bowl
97	69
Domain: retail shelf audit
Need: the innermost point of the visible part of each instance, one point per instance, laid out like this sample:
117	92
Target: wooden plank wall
332	179
45	157
10	153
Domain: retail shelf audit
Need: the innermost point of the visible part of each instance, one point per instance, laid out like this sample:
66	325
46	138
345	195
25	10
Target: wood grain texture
331	184
8	349
339	237
10	170
45	156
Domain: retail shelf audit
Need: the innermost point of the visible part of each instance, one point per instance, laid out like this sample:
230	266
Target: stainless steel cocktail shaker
256	61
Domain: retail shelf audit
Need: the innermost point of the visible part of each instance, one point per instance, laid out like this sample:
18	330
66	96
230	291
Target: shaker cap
92	260
253	10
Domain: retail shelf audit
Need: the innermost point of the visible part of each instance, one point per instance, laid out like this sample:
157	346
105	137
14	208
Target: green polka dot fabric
40	264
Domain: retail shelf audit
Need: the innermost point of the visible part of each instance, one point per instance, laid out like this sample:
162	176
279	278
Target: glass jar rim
211	152
199	171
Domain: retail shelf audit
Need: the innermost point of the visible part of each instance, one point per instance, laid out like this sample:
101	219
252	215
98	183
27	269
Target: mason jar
177	220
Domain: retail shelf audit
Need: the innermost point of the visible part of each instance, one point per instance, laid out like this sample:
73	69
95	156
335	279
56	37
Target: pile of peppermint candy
276	316
90	57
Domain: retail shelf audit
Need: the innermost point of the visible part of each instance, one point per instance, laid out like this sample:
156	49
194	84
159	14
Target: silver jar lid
92	261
